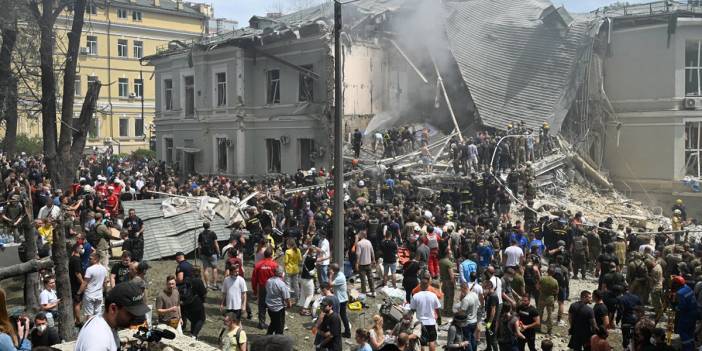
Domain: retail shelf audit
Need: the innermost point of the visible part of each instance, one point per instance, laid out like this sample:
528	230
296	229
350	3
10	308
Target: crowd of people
467	264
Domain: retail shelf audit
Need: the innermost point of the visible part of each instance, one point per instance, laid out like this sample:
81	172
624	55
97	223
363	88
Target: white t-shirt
233	287
476	288
47	297
95	275
97	335
326	252
364	252
470	305
514	255
425	302
497	284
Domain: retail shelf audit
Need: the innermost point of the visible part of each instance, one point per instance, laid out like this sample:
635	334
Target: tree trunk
26	267
59	255
8	89
31	280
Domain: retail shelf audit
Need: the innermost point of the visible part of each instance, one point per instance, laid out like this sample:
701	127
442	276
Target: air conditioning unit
285	140
689	103
83	51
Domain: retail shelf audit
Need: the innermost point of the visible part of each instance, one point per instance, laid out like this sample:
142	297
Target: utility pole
338	252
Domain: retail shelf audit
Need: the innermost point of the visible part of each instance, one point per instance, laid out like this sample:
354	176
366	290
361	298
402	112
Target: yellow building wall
108	67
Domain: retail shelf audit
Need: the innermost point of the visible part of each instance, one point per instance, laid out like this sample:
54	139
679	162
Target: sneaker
262	326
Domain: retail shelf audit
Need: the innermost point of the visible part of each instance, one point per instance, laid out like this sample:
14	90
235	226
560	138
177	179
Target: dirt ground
297	326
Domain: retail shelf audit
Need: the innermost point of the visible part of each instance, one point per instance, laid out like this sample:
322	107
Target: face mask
41	328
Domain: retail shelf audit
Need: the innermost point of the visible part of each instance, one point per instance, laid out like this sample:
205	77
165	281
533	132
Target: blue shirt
7	345
521	239
365	347
467	267
686	307
340	289
85	256
539	244
485	253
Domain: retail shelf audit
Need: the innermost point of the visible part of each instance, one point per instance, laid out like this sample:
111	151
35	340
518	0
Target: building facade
117	34
652	71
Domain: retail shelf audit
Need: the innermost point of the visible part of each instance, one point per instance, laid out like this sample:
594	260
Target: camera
153	335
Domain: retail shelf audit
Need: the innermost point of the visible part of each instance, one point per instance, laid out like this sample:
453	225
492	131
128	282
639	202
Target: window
306	151
168	94
693	68
77	86
306	92
138	88
222	154
273	87
139	126
169	150
273	152
693	148
121	13
189	96
136	15
94	131
123	87
92	45
122	48
138	49
221	89
124	127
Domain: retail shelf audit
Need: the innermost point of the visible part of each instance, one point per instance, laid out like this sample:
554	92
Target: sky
242	10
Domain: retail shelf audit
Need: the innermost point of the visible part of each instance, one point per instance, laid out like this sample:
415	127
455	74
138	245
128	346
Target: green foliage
144	153
30	145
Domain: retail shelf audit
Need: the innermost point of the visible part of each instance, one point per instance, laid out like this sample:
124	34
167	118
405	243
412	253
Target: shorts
209	261
92	307
428	334
389	267
562	294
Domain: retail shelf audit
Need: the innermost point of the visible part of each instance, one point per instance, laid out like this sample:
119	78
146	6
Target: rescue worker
579	252
685	312
680	206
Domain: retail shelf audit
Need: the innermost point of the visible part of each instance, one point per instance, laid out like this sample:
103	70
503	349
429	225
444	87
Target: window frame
138	119
122	13
220	89
124	133
168	150
222	153
304	80
137	16
272	145
168	94
78	85
123	83
188	109
272	87
138	49
122	48
91	43
138	92
91	9
696	69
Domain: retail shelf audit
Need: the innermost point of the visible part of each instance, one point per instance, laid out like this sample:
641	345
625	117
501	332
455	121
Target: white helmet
677	211
361	183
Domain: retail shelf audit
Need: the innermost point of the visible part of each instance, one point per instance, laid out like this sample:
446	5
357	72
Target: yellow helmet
509	126
546	124
679	202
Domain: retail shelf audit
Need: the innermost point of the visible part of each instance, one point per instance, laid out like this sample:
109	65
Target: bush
30	145
144	154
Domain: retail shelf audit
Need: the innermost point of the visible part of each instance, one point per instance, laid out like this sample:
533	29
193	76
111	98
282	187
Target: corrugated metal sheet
165	236
515	66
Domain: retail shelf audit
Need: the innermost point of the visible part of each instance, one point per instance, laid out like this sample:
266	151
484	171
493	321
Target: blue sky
242	10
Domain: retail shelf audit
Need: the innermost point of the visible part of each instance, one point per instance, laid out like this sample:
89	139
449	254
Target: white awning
188	150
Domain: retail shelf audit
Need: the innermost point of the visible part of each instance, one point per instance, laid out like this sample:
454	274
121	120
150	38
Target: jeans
343	313
306	293
469	335
262	305
366	277
323	275
293	281
530	340
277	325
491	339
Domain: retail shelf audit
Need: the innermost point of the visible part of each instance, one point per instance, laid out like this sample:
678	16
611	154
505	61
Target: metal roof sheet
516	66
164	237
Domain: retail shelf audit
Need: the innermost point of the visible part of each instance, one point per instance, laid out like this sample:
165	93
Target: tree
8	85
62	151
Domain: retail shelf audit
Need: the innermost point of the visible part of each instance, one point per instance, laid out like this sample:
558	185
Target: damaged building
621	86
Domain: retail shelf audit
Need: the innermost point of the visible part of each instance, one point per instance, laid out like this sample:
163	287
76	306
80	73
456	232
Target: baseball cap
180	253
326	302
130	296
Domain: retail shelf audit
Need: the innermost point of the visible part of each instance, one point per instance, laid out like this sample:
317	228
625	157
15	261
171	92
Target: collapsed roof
518	59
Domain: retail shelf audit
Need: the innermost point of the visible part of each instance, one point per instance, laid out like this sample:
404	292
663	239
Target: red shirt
113	205
236	260
263	270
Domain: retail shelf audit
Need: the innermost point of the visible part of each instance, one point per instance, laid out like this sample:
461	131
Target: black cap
130	296
180	253
327	301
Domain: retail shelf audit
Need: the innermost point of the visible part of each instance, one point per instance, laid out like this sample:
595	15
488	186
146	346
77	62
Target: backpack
529	276
92	236
187	295
578	246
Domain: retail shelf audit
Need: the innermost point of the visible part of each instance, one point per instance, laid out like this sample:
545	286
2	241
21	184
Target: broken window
169	150
693	68
306	92
273	151
221	89
306	150
222	154
189	96
168	94
273	87
692	148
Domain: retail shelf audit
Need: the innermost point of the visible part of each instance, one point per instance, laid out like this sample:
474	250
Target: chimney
157	3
